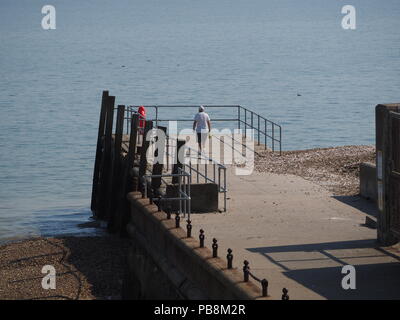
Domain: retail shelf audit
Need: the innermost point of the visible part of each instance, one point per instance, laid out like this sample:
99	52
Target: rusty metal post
215	248
229	257
285	295
201	238
246	270
189	228
264	284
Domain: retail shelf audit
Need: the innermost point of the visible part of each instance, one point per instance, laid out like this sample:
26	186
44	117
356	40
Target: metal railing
184	193
209	176
209	170
184	181
266	131
203	169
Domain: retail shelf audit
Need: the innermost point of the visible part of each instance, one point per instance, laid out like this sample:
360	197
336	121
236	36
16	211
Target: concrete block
368	185
204	197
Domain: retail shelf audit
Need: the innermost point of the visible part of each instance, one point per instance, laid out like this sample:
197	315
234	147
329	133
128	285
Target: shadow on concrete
373	280
367	206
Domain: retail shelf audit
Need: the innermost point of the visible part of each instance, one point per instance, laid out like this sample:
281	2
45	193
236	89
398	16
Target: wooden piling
132	141
123	211
99	151
115	175
106	163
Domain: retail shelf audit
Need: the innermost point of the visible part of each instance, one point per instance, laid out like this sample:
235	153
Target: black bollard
229	257
201	237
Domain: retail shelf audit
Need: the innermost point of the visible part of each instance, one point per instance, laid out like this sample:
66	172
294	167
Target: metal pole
266	133
224	190
273	137
205	169
156	115
180	195
238	109
245	122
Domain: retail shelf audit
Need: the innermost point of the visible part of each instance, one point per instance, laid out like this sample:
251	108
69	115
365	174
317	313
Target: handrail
262	127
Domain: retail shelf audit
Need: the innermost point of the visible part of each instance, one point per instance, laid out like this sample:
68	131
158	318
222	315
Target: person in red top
142	117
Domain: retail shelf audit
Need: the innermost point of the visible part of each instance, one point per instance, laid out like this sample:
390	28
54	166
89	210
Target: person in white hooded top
202	125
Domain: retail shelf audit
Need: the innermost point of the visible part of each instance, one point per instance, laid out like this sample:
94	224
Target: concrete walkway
297	235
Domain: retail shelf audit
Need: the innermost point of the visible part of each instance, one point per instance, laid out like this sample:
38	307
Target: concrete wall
204	196
164	264
368	184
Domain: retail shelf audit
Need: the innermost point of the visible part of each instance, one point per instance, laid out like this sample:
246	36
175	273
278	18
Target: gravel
336	169
87	268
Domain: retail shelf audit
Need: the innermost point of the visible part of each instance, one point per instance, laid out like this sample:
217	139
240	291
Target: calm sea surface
259	54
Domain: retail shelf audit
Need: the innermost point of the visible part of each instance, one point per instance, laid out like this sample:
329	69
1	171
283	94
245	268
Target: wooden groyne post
99	150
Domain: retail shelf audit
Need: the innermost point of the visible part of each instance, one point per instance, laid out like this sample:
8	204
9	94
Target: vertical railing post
245	122
238	112
273	137
266	133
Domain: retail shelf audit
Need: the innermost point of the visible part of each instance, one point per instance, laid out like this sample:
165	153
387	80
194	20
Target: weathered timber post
123	212
106	159
179	154
116	173
99	151
143	153
130	158
387	183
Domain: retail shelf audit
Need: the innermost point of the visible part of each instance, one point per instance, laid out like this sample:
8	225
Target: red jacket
142	117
